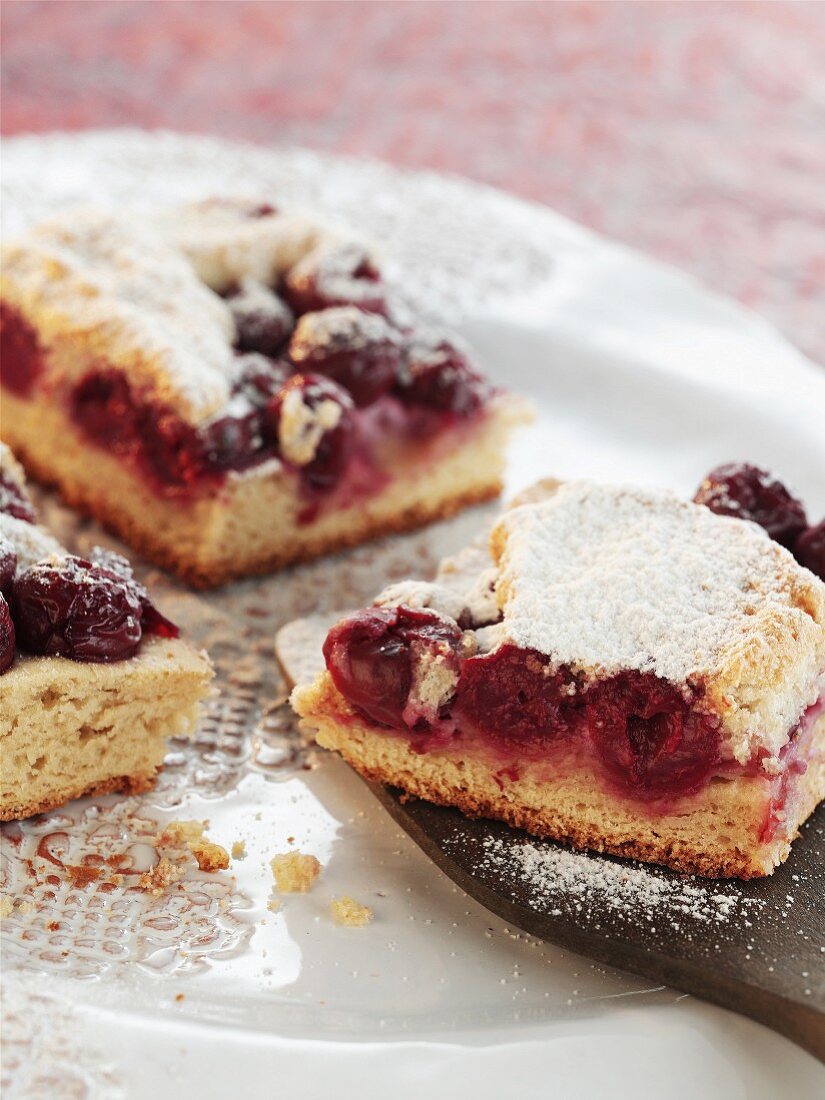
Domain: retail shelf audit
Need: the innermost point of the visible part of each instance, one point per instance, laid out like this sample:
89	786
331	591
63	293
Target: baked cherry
516	697
361	351
151	620
749	492
259	377
14	500
810	549
371	657
72	608
335	275
8	566
650	741
439	376
314	421
102	404
7	638
20	351
263	321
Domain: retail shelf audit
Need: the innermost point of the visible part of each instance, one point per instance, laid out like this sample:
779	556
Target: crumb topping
301	427
350	913
190	835
294	872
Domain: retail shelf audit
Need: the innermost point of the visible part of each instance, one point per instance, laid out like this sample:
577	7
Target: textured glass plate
637	374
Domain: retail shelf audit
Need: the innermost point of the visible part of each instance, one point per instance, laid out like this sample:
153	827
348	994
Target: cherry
259	377
102	404
20	351
748	492
151	620
72	608
810	549
314	419
8	566
7	637
515	696
263	321
439	376
14	500
649	740
359	350
335	275
370	657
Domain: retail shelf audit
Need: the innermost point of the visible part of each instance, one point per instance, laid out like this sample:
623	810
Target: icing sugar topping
31	543
606	578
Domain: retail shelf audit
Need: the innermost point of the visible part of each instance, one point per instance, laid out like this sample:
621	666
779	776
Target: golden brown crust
119	784
715	833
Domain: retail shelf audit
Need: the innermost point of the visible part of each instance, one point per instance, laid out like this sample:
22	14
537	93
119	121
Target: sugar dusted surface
32	543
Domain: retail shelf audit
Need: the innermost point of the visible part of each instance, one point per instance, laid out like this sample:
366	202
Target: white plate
638	374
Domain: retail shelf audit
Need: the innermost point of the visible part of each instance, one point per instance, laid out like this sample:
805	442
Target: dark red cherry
649	740
14	500
335	275
361	351
72	608
370	657
810	549
151	620
314	420
516	697
748	492
263	321
20	351
102	404
439	376
259	378
8	566
7	639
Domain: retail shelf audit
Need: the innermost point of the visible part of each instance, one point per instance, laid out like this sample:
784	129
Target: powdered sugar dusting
575	883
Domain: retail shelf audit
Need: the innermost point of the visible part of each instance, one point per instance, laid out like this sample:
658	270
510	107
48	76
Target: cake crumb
273	905
350	913
25	906
294	872
6	906
190	834
161	876
81	876
179	996
239	849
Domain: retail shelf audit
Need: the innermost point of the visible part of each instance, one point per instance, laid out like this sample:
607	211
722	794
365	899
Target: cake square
230	388
615	668
93	680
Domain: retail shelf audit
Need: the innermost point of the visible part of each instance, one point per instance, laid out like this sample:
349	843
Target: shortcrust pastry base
68	729
714	833
214	539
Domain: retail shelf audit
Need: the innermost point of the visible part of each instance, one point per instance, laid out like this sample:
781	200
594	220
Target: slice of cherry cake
229	388
620	669
93	679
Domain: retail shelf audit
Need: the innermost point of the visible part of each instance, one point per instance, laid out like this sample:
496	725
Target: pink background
694	131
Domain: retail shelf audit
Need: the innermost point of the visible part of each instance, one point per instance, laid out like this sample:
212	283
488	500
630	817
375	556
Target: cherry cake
93	679
230	388
617	668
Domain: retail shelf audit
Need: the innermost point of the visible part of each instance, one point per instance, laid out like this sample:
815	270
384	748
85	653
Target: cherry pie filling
644	738
327	325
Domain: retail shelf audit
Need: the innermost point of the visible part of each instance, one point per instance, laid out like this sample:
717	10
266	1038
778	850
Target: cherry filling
372	657
439	376
647	739
360	351
8	566
315	423
14	500
748	492
340	275
73	608
7	638
20	352
810	549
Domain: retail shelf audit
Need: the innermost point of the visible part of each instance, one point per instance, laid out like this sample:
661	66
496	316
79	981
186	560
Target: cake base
715	833
251	523
69	729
